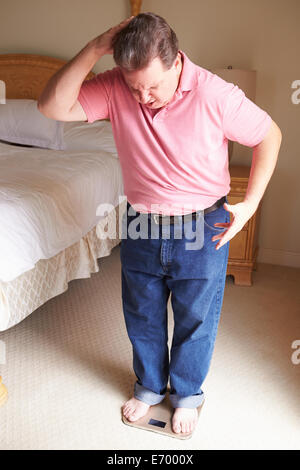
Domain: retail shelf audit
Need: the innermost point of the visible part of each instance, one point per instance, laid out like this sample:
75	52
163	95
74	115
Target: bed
66	188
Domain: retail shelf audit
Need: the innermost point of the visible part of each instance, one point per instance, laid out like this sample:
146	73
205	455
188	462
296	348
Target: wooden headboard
25	75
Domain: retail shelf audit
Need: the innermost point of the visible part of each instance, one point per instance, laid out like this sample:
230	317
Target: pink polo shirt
175	161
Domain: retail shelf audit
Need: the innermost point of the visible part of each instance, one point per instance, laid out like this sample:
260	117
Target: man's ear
177	60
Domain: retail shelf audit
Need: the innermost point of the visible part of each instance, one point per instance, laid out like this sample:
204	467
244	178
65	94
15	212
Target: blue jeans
152	269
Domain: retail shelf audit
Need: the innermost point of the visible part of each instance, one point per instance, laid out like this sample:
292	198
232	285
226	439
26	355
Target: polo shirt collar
188	77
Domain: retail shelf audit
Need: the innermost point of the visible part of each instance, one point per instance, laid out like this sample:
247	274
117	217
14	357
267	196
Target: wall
251	34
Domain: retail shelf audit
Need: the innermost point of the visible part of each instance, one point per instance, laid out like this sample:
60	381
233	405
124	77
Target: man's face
154	86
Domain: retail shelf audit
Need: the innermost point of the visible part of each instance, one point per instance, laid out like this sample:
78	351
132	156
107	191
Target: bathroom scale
159	419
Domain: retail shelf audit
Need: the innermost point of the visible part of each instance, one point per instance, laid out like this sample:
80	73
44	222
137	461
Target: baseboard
279	257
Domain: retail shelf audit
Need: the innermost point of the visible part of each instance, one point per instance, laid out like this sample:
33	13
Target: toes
129	415
177	428
127	410
183	422
132	417
183	427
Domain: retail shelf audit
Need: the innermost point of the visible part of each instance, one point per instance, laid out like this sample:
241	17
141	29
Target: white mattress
49	199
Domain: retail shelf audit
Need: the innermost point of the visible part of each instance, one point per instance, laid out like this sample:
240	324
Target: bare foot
134	409
184	420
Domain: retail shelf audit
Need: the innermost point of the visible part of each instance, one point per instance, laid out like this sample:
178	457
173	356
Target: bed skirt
50	277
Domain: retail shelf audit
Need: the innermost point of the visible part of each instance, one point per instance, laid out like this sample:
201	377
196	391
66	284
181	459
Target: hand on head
104	41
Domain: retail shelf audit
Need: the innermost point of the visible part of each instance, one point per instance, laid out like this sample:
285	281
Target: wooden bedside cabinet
243	248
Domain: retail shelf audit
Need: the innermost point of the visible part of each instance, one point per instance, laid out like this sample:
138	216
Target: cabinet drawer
238	245
235	200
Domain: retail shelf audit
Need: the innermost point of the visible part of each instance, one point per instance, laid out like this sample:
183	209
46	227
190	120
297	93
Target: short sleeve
243	120
94	96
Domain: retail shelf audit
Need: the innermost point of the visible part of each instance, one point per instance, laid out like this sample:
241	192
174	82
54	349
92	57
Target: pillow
97	136
22	123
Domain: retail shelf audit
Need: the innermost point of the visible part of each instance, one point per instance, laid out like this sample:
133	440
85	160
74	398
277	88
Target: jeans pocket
217	216
194	233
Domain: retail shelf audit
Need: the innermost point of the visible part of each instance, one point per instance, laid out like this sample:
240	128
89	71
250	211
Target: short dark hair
146	37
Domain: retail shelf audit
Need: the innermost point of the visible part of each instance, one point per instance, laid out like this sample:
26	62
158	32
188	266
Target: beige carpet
68	370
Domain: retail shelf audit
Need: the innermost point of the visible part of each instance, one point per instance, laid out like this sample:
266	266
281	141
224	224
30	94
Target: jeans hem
192	401
151	398
147	396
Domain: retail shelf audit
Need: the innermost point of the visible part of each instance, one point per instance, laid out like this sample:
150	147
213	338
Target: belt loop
156	218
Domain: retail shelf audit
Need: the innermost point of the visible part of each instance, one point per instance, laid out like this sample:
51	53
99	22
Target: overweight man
171	121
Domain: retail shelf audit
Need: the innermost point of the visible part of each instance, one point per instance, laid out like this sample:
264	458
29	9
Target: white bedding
48	201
